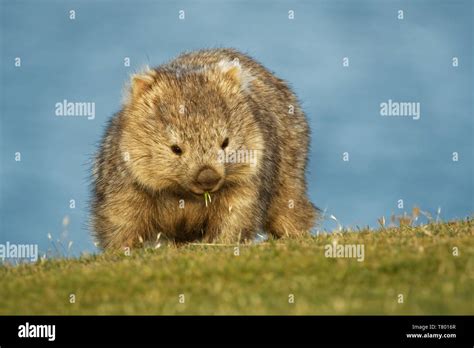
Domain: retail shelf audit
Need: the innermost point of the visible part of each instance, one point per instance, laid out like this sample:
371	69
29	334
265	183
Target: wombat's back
284	126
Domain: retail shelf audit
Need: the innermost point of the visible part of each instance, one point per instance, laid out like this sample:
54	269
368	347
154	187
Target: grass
417	262
207	198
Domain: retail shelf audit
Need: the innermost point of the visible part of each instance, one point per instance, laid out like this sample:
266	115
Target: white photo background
351	63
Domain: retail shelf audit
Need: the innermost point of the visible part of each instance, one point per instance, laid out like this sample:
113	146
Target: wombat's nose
207	179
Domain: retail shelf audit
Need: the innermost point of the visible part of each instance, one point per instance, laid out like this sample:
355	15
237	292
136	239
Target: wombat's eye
225	143
176	149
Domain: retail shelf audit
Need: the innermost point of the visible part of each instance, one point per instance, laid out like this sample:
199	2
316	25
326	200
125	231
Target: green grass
417	262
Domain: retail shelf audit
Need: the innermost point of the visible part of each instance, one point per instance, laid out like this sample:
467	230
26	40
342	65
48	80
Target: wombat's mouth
198	191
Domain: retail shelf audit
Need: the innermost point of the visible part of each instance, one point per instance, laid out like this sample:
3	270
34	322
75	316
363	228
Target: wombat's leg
116	237
119	235
119	225
236	218
291	214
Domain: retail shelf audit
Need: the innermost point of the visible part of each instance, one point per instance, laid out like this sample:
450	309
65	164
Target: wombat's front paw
233	236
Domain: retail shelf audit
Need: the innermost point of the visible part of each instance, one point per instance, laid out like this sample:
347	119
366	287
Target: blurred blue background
390	158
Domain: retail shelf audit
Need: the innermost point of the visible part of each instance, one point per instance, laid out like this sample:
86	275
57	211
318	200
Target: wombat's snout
207	179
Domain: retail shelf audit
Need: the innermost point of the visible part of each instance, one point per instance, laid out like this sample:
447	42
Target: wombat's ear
235	73
141	82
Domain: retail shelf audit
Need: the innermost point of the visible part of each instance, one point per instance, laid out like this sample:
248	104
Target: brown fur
141	185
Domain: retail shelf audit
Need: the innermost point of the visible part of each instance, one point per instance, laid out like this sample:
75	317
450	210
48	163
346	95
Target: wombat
210	147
